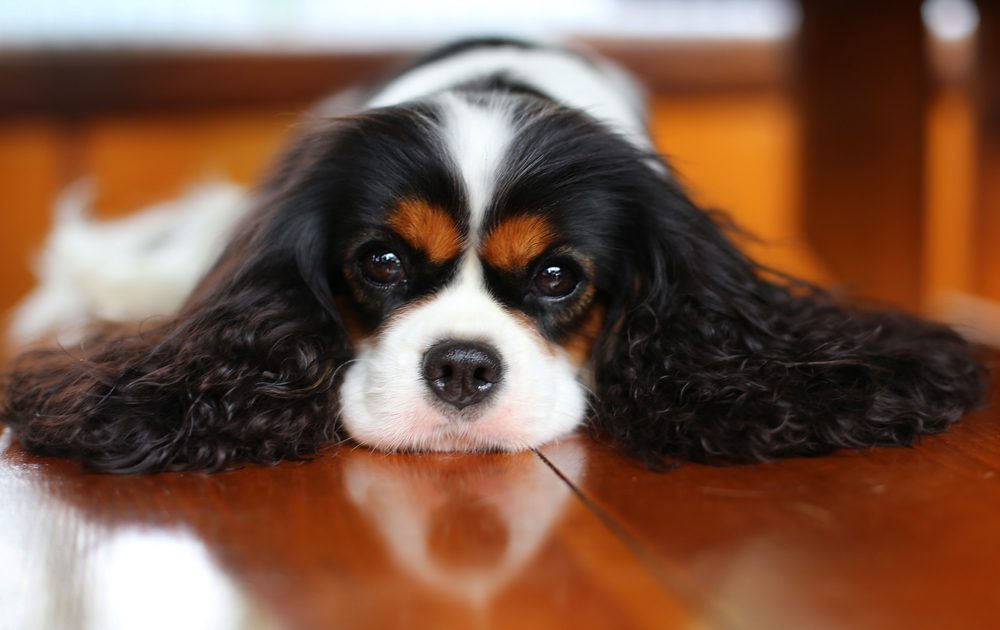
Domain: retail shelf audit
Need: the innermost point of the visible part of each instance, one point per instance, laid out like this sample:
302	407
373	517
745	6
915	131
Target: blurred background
859	141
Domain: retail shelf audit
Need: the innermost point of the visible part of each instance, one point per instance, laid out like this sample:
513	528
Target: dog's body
445	268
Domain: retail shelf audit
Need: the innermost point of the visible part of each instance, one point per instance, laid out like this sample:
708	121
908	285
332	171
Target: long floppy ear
711	358
244	373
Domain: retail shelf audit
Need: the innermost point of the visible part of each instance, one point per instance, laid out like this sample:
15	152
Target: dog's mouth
478	431
448	443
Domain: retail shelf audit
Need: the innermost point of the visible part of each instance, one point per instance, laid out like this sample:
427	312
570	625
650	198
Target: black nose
462	373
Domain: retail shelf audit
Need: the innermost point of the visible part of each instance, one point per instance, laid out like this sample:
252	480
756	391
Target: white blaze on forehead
470	275
477	137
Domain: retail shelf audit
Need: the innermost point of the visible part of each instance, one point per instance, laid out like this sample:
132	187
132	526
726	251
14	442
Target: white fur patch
477	136
129	269
591	85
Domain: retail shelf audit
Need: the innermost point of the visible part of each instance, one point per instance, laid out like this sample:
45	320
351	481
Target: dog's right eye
383	267
556	280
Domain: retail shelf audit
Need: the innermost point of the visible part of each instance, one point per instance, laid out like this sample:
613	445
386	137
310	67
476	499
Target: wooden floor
572	536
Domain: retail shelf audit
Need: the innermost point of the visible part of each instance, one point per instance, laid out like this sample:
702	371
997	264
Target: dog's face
471	276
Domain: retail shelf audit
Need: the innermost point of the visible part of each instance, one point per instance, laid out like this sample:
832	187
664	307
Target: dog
486	254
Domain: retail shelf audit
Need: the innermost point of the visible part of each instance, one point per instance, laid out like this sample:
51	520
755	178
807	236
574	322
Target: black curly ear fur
245	372
710	357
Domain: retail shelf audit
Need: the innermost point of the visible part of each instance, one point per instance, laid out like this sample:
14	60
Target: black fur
711	358
467	45
243	374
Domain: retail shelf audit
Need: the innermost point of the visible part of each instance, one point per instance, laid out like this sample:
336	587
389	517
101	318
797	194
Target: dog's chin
443	434
452	438
421	426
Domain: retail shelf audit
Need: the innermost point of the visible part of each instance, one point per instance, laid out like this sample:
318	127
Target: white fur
477	136
128	269
591	85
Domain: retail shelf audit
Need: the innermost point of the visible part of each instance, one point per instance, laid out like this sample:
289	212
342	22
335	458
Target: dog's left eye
383	267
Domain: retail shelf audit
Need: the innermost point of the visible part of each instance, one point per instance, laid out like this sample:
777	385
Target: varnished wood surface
987	96
863	116
350	540
79	83
892	538
573	536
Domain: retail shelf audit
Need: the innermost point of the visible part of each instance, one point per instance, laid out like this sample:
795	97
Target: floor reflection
352	539
63	568
464	528
161	579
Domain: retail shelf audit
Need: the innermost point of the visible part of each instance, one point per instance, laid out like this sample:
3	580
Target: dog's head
460	273
472	250
472	247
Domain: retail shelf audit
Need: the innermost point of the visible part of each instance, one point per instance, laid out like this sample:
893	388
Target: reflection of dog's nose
462	373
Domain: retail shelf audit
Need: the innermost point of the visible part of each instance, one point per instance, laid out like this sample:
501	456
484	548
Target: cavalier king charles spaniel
486	254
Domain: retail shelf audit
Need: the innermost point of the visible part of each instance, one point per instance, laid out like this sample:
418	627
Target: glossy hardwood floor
572	536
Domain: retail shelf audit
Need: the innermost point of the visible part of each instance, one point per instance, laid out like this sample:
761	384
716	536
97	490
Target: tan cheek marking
581	341
356	330
427	228
517	241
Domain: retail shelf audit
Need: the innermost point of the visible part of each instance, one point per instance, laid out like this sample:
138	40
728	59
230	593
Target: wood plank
987	96
140	160
32	165
351	539
75	83
862	84
133	161
891	538
740	153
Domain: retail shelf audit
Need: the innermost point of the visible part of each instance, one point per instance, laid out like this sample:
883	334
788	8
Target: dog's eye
383	267
556	280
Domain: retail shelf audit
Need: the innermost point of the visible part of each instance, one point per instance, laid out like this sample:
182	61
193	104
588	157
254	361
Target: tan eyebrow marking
517	241
427	228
